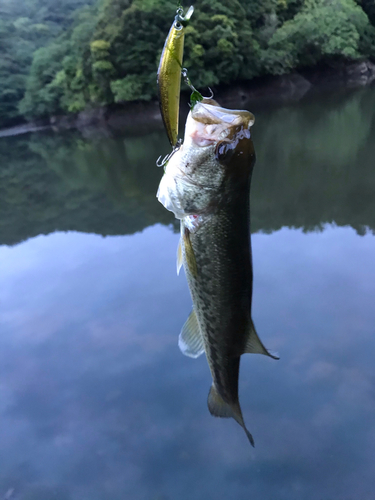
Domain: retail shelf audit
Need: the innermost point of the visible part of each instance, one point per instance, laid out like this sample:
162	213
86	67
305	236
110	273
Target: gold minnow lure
169	74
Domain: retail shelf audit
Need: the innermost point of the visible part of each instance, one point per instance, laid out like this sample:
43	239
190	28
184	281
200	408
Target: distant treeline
62	56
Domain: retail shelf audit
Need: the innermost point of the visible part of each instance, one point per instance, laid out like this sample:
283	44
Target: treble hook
167	157
184	73
164	161
211	96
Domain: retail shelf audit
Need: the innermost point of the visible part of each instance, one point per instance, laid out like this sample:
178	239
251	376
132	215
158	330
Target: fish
206	184
169	74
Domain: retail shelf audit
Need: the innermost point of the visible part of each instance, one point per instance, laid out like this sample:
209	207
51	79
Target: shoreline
133	117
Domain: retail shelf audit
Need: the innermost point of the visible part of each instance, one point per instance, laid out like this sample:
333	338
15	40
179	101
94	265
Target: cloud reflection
97	402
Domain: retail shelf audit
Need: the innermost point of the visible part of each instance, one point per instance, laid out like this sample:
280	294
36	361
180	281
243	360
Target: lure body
169	75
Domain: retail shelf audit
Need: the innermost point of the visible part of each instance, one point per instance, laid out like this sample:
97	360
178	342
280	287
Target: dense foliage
25	26
59	60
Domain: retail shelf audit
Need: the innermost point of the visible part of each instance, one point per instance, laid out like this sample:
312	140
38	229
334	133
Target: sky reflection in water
97	401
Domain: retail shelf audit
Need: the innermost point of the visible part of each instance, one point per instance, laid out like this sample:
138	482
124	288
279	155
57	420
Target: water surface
96	400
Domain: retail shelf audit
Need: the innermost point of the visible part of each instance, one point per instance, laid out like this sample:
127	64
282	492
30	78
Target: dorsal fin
255	346
190	340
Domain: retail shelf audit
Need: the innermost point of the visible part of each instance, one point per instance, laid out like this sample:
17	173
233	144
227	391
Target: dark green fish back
222	288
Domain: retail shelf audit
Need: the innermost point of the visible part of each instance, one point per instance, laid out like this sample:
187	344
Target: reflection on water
97	402
315	166
102	185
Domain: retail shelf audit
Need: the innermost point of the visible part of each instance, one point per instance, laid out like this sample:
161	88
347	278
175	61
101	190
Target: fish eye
178	26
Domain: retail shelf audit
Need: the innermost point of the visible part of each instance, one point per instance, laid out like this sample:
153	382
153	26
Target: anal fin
190	340
255	346
219	408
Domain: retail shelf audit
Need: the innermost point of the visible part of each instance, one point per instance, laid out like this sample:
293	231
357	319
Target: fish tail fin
219	408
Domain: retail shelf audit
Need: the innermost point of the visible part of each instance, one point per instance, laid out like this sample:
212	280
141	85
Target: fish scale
224	277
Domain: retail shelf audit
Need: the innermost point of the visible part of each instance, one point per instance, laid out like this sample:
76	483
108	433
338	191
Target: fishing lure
169	74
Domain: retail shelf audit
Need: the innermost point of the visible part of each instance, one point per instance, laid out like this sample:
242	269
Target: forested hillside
62	56
25	26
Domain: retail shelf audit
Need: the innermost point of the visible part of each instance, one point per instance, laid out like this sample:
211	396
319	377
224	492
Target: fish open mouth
211	123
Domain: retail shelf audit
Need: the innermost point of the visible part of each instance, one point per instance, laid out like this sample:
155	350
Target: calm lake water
96	400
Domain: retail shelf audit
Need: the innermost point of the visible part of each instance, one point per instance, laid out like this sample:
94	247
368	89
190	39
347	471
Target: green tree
60	59
322	30
26	26
369	8
44	89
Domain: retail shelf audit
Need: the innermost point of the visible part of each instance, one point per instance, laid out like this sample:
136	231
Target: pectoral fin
189	254
179	257
190	340
219	408
254	344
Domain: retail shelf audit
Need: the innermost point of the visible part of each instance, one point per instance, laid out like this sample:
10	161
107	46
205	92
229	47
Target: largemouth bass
169	74
206	185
